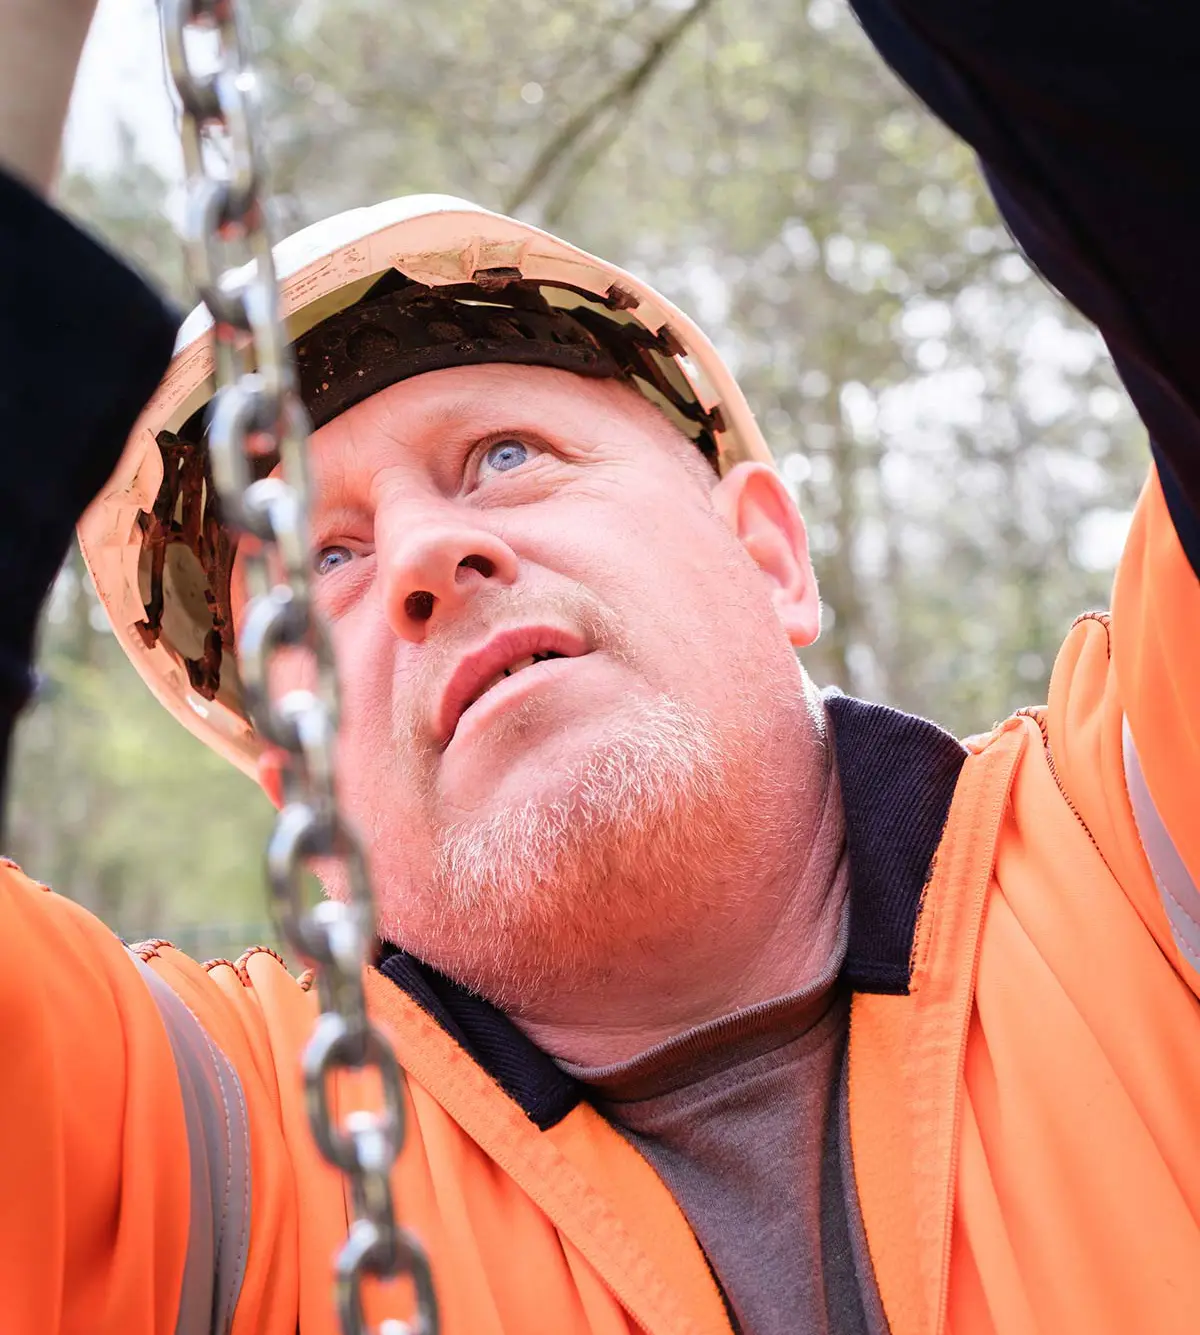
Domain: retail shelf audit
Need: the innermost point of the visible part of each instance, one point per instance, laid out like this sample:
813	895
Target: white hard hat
159	596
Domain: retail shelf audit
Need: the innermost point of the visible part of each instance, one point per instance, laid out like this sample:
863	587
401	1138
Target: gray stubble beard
656	824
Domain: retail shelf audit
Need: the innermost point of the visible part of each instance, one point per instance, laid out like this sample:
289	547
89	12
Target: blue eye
329	558
506	454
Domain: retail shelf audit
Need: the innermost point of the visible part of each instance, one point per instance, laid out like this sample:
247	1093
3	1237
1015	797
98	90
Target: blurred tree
932	401
114	804
955	436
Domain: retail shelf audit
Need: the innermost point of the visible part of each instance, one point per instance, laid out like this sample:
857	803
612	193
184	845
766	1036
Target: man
721	1004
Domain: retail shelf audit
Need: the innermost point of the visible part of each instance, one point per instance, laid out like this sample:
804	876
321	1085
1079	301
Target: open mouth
513	668
507	653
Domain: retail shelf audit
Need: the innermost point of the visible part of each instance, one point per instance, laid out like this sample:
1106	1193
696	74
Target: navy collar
897	774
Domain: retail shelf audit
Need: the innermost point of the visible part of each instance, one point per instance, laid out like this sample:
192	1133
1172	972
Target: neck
775	937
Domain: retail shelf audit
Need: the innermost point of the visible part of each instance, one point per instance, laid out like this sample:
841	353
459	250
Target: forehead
429	417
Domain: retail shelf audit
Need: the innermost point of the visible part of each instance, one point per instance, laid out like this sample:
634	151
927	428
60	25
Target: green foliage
954	435
114	803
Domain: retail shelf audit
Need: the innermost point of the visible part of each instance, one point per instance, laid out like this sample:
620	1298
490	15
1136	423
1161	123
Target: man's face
570	712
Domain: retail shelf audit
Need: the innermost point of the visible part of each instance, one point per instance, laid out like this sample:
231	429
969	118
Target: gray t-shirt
744	1119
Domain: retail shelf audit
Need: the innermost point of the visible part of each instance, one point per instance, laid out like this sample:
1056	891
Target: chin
606	811
575	850
531	760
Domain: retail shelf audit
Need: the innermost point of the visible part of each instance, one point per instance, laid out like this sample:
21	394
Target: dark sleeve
1086	117
83	344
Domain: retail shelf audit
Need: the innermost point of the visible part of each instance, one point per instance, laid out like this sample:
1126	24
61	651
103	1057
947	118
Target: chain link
256	411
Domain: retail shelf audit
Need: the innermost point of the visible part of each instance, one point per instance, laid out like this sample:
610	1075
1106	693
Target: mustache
417	691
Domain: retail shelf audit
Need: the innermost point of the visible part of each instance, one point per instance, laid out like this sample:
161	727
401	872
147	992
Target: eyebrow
457	411
332	493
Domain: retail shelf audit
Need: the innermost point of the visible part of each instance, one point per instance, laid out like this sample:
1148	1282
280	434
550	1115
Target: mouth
511	671
506	654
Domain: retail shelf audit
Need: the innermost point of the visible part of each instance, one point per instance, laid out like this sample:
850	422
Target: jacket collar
897	773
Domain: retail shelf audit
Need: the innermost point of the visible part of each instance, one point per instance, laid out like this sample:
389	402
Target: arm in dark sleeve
83	344
1086	117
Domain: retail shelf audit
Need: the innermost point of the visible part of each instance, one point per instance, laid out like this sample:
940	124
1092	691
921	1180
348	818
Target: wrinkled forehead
421	428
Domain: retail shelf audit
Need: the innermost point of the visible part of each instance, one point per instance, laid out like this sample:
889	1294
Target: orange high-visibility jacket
1024	1074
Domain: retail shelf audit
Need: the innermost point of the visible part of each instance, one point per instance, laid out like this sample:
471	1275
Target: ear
756	505
270	775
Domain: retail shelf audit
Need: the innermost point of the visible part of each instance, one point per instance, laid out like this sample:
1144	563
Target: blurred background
954	435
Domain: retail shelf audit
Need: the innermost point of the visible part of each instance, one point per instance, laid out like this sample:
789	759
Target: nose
432	565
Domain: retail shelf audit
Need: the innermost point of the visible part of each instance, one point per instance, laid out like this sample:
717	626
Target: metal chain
256	411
